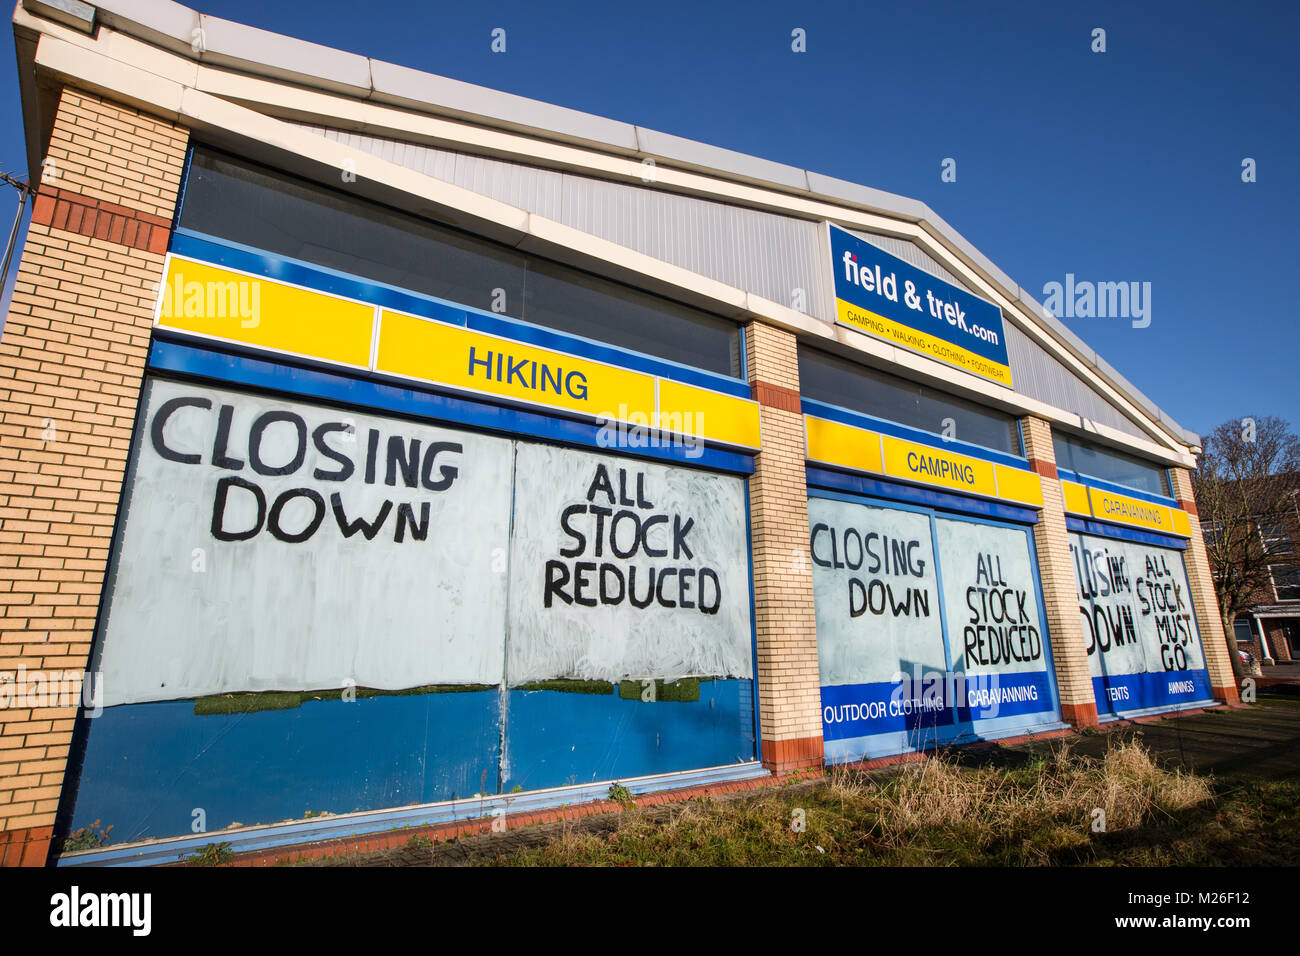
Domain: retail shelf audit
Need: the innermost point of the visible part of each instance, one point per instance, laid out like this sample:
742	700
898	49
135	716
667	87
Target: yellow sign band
475	362
1091	502
214	302
930	345
252	310
859	449
1076	498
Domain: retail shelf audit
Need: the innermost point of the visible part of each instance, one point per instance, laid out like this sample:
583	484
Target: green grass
570	686
939	812
247	703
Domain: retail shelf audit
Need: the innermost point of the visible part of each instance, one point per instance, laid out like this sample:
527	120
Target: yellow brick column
1056	572
789	684
1223	682
72	358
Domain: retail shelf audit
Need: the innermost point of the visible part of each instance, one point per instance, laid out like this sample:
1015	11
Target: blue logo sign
891	300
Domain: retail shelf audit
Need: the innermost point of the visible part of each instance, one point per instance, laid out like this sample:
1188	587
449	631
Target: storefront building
381	450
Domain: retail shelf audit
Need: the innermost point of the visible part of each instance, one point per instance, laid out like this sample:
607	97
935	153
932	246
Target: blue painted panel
556	739
1011	695
229	366
1119	693
148	766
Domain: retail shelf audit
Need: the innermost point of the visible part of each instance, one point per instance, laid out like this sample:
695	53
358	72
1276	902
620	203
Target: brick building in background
387	451
1270	627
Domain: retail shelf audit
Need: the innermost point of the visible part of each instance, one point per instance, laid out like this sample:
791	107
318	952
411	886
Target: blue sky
1116	166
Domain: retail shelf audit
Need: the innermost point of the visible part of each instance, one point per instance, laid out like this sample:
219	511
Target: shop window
239	201
1286	581
836	381
1139	627
1093	461
1275	535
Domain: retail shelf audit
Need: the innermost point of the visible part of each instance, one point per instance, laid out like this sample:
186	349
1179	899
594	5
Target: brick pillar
789	684
71	362
1060	594
1206	604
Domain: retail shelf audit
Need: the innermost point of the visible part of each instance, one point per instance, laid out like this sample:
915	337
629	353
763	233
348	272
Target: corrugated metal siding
763	253
1038	375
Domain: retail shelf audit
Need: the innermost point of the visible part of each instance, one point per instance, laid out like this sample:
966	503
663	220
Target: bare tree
1249	470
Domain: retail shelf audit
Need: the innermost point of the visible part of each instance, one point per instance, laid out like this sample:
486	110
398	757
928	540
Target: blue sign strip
865	710
1005	695
1116	693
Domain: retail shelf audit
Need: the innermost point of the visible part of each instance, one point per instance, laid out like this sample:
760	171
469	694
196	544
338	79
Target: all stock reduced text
617	523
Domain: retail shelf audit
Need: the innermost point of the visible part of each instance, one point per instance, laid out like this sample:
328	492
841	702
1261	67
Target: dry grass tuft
931	812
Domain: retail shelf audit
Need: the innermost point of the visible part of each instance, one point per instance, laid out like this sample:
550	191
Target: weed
213	854
87	838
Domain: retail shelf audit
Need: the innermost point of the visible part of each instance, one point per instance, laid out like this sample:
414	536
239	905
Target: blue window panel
885	734
558	738
147	766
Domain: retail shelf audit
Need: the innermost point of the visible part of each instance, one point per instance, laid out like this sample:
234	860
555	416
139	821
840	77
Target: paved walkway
1262	740
1287	672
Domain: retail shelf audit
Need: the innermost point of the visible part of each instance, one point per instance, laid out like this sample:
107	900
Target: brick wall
1056	572
71	360
1208	618
789	684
